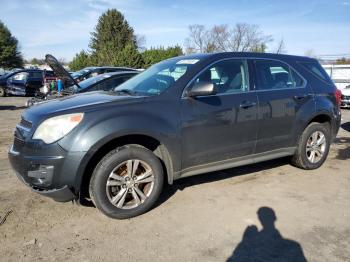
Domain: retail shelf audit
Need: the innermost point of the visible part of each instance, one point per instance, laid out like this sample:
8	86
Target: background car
22	82
103	82
345	97
88	72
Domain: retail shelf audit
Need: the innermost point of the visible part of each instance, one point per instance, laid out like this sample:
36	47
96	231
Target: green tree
110	39
36	61
342	61
81	60
155	55
261	48
129	57
9	54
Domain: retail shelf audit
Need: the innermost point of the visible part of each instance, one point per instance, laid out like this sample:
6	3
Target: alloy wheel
316	146
130	184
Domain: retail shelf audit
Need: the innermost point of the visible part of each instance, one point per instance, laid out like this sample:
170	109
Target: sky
62	27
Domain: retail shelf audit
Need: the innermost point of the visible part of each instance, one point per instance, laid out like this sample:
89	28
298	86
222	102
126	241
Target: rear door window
272	74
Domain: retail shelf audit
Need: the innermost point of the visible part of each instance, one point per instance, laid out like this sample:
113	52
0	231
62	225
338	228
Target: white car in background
345	98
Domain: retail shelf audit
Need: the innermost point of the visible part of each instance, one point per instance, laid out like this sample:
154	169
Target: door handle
247	104
301	97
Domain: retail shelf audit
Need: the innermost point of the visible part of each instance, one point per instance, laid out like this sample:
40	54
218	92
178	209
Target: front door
221	126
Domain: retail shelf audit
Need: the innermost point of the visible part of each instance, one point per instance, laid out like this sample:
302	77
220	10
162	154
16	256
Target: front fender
97	132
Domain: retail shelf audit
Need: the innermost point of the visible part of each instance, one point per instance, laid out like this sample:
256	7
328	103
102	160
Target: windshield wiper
125	91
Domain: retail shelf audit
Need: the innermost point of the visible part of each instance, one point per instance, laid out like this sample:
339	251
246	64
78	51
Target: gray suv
184	116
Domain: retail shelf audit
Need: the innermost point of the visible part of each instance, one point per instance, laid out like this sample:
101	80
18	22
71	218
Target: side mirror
202	89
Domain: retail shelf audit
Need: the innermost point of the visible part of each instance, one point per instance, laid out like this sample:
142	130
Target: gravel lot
201	218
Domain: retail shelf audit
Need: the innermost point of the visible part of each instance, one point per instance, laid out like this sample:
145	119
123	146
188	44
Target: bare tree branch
281	49
241	38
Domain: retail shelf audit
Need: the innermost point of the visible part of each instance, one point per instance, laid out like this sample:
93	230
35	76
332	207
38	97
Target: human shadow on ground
267	244
346	126
344	152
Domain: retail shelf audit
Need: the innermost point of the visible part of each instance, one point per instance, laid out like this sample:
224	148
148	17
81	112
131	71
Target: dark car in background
88	72
181	117
103	82
22	82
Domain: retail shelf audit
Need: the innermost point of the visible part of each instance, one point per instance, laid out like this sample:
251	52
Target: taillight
338	96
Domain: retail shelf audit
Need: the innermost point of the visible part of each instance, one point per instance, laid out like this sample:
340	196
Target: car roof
220	55
109	67
28	70
122	73
118	68
110	74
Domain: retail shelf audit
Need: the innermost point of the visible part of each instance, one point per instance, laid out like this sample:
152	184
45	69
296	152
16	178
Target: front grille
26	124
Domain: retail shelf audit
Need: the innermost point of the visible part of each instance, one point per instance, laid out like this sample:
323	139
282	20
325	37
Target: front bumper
49	172
63	194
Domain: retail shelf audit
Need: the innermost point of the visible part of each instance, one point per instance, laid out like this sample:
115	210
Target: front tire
313	146
126	182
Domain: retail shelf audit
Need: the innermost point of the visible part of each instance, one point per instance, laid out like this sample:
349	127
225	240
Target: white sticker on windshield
187	61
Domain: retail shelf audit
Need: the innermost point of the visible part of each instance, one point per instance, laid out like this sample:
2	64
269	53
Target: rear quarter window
317	70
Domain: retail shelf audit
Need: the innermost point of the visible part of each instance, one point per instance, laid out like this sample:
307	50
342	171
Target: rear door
282	94
221	126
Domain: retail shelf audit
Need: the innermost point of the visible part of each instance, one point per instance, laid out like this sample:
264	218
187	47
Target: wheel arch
98	152
321	117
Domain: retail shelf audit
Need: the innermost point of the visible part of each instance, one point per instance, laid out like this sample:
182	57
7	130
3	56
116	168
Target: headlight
55	128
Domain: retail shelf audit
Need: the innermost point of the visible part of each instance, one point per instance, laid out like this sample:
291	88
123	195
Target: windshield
81	72
157	78
92	80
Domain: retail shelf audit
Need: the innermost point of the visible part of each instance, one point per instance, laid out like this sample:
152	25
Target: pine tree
129	57
111	37
81	60
10	56
155	55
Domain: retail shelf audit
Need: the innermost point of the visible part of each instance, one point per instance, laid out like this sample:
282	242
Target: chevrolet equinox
182	117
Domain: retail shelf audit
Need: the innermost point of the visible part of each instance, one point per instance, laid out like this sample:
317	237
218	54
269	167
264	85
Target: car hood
77	103
59	71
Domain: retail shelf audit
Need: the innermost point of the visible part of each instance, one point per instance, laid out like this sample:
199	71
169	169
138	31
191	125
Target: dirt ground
201	218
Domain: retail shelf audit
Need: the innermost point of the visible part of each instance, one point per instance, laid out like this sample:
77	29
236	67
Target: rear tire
126	182
313	146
